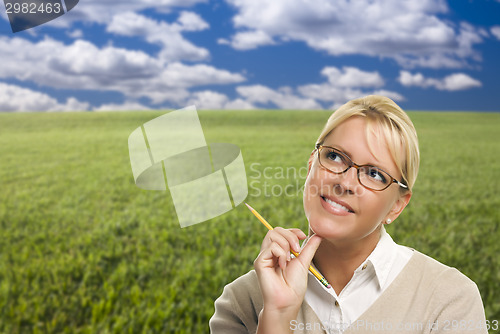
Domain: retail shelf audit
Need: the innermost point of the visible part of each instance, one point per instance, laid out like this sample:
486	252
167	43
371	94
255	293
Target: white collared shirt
370	279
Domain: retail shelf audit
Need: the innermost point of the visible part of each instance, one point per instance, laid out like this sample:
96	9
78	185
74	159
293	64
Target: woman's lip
334	209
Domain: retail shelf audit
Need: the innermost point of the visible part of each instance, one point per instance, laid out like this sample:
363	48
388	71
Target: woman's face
337	206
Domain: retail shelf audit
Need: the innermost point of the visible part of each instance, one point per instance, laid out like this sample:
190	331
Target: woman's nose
348	181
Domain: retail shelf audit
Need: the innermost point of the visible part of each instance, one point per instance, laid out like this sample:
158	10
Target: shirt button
336	303
364	267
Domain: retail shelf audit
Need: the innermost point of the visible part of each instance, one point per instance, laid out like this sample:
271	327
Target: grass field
83	250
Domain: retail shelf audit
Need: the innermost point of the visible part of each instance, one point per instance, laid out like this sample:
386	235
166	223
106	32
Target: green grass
83	250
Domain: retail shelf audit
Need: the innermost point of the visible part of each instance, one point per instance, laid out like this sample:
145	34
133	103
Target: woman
361	175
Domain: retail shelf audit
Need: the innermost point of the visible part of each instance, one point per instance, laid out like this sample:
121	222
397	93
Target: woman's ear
309	163
399	205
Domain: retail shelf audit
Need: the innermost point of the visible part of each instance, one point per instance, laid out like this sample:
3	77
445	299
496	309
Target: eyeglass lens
369	176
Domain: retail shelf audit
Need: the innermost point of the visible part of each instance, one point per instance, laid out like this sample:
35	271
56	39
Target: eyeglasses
369	177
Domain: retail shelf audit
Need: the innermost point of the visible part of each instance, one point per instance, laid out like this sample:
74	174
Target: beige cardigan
426	297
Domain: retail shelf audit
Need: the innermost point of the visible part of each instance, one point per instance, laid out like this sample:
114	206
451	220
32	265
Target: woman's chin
328	228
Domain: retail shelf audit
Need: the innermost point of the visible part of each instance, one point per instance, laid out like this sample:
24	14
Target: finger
298	232
291	236
282	256
270	256
309	250
278	238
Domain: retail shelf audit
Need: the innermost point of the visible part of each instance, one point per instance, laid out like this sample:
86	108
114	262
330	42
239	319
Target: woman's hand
282	278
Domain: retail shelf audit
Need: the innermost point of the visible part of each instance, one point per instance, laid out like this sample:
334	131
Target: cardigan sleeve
460	308
237	309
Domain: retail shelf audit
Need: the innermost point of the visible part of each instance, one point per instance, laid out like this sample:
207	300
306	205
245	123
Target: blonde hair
395	126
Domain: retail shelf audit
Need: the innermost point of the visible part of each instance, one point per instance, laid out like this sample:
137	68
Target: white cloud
341	86
181	75
214	100
15	98
208	100
495	31
346	84
459	81
126	106
411	32
72	104
174	46
387	93
239	104
83	66
283	98
452	82
248	40
78	65
352	77
329	93
102	12
417	79
190	21
75	34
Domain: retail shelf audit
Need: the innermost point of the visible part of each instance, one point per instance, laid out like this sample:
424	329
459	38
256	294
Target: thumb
307	253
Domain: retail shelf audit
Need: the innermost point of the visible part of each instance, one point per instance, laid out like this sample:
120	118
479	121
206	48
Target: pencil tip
251	209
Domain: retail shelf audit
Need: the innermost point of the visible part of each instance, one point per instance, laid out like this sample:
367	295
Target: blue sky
245	54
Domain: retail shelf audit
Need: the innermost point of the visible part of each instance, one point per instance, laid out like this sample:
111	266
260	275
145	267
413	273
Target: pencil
269	227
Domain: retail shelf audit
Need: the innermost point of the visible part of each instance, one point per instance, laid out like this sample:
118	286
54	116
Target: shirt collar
382	258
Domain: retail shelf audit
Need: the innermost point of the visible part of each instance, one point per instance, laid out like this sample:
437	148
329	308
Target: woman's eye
377	175
335	157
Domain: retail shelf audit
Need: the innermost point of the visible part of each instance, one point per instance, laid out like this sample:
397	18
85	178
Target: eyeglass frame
355	165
